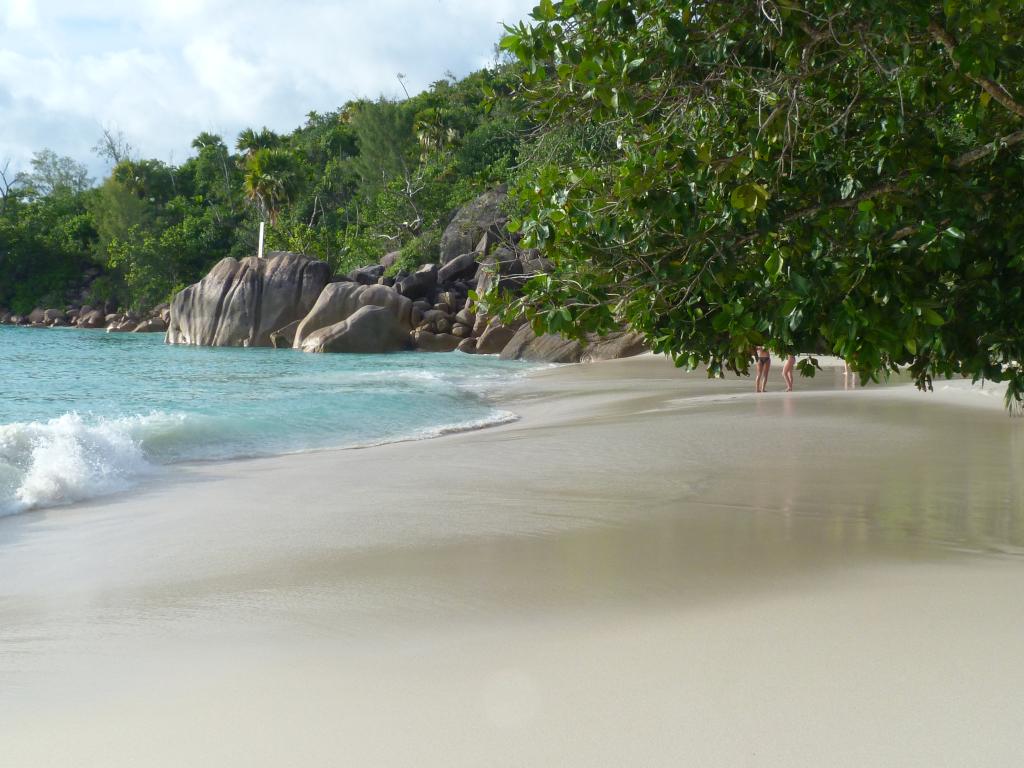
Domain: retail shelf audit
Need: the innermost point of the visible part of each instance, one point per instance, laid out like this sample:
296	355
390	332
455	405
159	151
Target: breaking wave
68	459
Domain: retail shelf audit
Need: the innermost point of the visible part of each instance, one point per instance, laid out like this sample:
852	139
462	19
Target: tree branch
979	153
991	87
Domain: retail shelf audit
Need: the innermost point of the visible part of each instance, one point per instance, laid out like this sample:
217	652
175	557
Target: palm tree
206	139
250	141
271	180
435	129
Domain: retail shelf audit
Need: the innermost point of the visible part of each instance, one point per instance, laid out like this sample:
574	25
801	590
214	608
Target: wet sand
649	568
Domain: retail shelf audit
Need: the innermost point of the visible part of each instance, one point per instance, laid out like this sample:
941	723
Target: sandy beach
647	568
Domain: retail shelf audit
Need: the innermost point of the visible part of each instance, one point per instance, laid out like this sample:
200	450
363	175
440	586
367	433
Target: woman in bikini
787	372
764	363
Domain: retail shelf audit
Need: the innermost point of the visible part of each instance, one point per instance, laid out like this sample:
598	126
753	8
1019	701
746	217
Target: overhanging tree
819	175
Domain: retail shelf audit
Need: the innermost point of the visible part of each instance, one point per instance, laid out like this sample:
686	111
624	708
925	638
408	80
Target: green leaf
748	197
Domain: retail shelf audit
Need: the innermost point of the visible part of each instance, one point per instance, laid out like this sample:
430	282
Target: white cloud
165	71
20	14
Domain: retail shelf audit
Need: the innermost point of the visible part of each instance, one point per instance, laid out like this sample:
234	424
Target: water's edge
88	415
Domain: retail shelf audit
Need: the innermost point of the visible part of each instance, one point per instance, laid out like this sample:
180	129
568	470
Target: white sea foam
70	458
495	419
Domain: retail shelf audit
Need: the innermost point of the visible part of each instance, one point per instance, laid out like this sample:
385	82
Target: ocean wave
70	458
77	457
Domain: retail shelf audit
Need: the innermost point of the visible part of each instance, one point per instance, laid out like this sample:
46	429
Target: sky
163	71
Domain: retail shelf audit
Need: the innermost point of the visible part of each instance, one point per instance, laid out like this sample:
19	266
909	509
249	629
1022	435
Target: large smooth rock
507	261
37	316
92	319
460	268
152	325
370	329
526	345
495	337
339	301
551	348
419	285
240	303
368	275
436	342
613	346
471	222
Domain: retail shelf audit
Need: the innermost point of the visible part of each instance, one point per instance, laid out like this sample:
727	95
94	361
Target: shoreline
608	580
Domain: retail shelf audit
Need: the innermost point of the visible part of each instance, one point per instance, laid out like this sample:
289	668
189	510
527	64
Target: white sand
647	569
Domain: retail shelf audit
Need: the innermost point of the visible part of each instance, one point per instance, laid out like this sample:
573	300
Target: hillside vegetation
348	186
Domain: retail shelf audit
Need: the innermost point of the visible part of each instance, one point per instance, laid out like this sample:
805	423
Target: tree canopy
837	176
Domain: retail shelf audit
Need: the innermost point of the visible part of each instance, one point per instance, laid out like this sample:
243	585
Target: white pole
262	226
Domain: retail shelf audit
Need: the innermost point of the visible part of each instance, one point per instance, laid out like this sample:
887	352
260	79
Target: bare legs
762	373
787	372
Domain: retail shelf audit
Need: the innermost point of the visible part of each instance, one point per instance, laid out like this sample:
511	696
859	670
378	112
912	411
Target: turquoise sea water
84	413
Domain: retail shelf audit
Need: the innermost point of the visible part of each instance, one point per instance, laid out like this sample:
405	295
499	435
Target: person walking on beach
763	361
787	372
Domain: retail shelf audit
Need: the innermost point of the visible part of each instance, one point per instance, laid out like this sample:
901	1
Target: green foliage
813	176
384	132
348	186
53	175
422	250
44	245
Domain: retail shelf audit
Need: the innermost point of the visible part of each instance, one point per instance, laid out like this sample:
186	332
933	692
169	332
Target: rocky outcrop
613	346
150	325
368	275
291	300
435	342
93	318
85	316
550	348
480	217
419	285
460	268
240	303
370	329
496	336
526	345
339	301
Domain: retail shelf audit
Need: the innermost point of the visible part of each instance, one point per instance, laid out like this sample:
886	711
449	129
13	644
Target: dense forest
370	178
